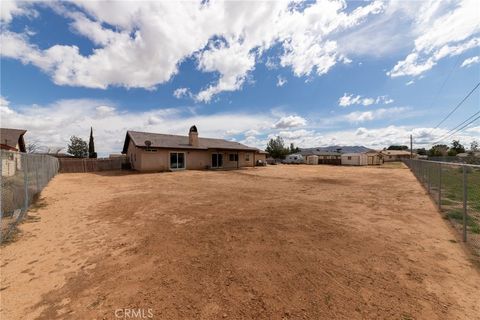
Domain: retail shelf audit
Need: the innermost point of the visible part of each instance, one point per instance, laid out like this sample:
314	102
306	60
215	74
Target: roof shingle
180	142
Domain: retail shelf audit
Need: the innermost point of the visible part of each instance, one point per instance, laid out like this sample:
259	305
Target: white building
355	159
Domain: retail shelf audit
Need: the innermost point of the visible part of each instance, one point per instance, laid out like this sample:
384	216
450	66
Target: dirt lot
281	242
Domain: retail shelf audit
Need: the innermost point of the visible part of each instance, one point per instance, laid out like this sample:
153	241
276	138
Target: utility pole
411	147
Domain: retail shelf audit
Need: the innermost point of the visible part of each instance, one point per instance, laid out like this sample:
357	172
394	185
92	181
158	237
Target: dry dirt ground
281	242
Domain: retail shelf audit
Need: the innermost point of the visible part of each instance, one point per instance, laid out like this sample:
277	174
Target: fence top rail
24	154
445	162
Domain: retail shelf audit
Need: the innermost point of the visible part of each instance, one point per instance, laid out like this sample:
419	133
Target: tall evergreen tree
91	146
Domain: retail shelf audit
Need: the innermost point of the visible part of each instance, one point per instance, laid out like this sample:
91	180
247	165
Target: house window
233	157
349	158
177	160
247	156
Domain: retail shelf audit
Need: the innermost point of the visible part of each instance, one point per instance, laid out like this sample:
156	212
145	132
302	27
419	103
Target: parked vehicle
294	159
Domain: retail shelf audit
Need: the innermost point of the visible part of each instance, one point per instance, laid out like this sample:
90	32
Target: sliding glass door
177	160
217	160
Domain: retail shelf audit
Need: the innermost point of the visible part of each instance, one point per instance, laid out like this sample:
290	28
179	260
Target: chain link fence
23	176
455	188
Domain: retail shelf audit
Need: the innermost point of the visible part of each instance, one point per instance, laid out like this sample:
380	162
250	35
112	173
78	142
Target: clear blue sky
316	73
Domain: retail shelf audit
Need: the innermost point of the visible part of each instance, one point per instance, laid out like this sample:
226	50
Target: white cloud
471	61
358	116
10	8
181	93
281	81
348	100
368	101
141	44
409	83
252	132
442	31
351	99
384	100
103	111
290	122
53	124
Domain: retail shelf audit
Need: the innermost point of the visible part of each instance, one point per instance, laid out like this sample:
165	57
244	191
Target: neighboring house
354	159
396	155
12	140
374	158
164	152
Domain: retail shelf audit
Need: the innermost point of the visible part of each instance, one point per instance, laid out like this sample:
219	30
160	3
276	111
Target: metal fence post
440	186
464	203
25	180
36	176
429	178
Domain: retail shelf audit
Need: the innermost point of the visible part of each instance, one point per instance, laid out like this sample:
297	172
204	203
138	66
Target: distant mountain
344	149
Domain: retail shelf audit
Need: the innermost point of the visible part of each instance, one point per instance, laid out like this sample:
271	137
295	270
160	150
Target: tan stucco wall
261	156
159	160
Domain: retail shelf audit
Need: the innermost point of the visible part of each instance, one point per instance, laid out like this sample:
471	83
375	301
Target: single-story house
164	152
12	139
374	158
354	159
396	155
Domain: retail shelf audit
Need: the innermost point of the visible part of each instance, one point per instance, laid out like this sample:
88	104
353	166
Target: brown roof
396	152
171	141
12	137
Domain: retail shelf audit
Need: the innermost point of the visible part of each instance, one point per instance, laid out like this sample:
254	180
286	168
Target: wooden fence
92	165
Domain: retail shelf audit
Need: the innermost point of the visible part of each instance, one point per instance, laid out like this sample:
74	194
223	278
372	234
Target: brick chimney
193	136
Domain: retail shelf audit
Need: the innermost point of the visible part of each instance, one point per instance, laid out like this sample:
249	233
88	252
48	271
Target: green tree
422	152
276	148
78	147
451	153
438	150
293	149
91	146
474	146
457	147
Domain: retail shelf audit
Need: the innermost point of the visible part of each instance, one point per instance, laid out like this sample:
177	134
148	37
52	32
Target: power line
460	129
473	115
458	106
